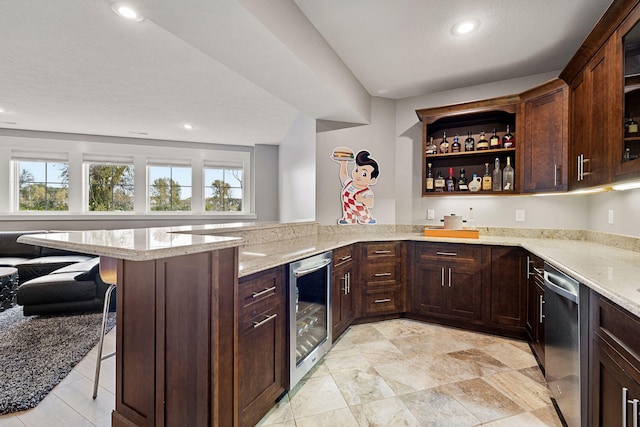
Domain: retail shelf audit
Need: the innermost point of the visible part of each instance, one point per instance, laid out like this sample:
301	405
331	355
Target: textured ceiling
241	71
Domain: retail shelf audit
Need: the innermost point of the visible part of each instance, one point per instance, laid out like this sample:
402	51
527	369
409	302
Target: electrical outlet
610	216
520	215
431	214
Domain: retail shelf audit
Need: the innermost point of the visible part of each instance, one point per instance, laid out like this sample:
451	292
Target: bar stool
109	274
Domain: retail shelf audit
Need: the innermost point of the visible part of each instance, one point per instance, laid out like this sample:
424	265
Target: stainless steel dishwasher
562	342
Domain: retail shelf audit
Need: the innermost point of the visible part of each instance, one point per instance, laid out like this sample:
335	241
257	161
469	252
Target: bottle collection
500	179
495	142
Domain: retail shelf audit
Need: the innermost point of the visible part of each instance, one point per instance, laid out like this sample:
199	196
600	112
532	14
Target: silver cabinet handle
541	315
349	282
529	264
449	276
378	301
635	412
447	253
262	322
555	175
442	277
624	406
382	274
382	252
344	279
266	291
344	258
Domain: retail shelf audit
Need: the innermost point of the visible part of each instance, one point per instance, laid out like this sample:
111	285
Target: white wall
626	212
265	160
377	138
297	172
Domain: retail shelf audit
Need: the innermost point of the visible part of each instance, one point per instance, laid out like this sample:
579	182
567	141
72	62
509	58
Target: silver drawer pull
382	274
344	258
262	322
447	253
382	252
266	291
378	301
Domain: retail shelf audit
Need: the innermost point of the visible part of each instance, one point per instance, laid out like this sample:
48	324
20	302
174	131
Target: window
110	187
169	188
223	189
44	186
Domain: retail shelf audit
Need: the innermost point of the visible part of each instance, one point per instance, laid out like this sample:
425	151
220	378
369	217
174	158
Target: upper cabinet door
626	136
544	158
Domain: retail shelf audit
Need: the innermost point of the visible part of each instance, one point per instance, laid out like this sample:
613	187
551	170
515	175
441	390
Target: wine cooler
309	313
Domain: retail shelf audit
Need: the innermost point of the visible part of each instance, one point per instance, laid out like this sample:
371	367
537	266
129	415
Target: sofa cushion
11	248
12	261
55	288
80	267
91	274
37	267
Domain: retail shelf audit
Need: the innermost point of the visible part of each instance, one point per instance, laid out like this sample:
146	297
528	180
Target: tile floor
393	373
408	373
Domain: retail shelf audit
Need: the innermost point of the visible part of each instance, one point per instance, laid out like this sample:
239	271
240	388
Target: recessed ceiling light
126	11
465	27
383	91
187	126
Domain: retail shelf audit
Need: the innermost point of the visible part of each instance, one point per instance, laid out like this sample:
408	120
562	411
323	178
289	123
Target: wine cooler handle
624	406
299	273
262	322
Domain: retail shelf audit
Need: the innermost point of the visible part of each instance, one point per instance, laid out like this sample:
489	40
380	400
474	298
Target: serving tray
441	232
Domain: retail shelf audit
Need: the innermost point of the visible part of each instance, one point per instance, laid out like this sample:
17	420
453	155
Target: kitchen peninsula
177	298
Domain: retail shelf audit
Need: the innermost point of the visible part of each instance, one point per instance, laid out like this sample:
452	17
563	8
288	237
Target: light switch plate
610	216
520	215
431	214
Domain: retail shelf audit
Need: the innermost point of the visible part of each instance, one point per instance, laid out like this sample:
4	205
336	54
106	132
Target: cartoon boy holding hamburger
356	196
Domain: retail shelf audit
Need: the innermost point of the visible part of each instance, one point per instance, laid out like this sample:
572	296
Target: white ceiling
241	71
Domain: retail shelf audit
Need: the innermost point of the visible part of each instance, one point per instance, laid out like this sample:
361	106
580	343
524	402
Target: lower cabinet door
428	289
383	300
463	291
261	364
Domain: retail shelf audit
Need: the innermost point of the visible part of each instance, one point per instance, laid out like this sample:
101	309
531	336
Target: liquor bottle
438	183
431	147
497	176
463	184
627	155
508	140
508	176
469	143
475	184
494	141
429	185
630	128
456	147
486	179
444	144
450	183
482	144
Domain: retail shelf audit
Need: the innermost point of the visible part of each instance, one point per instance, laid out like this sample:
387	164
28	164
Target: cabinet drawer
449	251
617	327
382	273
381	250
383	301
259	292
342	256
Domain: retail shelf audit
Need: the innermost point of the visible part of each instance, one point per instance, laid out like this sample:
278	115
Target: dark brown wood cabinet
261	363
544	147
447	281
614	366
344	284
535	306
508	300
382	277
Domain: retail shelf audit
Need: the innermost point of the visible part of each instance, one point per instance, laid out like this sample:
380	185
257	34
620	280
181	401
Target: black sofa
52	281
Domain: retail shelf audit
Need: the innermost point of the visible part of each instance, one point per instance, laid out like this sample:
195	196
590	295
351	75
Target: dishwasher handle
560	286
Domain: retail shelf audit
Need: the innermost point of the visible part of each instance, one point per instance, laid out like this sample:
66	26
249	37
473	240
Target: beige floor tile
479	362
406	376
280	414
345	360
525	419
359	334
511	355
534	373
78	395
389	412
10	420
432	407
436	343
399	328
526	392
53	412
482	400
548	415
362	385
445	369
315	396
380	352
338	418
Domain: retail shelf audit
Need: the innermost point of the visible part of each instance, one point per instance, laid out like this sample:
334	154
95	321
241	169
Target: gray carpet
37	352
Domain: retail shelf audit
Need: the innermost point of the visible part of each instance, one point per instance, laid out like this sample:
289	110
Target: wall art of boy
356	196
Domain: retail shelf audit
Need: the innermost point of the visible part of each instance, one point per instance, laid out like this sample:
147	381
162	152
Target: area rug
37	352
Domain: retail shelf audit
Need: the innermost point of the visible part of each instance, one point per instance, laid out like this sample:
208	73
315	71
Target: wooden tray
441	232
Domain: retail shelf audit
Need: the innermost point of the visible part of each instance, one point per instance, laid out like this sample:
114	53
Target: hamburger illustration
343	153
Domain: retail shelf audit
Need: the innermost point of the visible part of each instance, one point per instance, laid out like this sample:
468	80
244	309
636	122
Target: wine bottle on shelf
431	147
508	176
508	140
627	155
439	183
429	184
456	147
482	144
494	141
497	176
469	143
444	144
463	184
486	179
630	128
450	183
475	184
